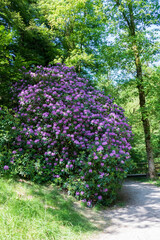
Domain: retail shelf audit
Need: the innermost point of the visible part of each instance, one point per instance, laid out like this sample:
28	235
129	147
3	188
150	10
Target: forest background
114	43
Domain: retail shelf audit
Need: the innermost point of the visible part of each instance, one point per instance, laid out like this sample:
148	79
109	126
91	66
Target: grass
29	211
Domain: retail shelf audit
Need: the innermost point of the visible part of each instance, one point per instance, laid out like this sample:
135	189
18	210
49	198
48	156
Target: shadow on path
139	219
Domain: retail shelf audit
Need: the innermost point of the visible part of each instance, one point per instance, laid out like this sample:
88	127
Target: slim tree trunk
129	19
145	120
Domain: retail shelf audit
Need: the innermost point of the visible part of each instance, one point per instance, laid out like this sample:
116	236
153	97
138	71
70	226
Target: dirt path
139	219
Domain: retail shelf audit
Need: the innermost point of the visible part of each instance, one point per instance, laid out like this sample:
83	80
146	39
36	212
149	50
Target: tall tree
134	45
78	26
24	41
33	41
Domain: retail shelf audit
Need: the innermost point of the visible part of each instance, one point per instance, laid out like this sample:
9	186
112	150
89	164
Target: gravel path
139	219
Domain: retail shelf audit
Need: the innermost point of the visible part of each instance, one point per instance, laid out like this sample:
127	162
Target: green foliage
5	59
133	26
127	97
41	32
5	40
7	121
23	42
7	134
32	40
124	31
78	27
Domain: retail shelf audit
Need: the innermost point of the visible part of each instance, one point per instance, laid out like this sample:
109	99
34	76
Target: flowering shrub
71	133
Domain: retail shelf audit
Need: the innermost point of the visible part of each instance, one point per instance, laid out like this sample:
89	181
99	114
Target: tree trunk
129	19
144	114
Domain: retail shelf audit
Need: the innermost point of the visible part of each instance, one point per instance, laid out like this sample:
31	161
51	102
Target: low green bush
7	136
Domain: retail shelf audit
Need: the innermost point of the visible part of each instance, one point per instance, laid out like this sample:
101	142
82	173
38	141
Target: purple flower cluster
6	167
77	129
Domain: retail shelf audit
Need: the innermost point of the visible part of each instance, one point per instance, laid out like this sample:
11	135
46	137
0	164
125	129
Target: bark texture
145	121
129	19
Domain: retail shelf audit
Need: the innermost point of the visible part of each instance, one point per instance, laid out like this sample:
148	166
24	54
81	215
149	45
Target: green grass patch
30	211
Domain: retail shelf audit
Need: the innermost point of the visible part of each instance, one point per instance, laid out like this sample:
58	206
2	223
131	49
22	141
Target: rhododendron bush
70	133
